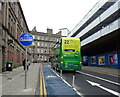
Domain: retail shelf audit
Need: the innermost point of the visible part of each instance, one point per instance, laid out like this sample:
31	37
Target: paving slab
15	81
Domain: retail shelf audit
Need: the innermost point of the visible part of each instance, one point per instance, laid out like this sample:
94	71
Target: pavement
13	82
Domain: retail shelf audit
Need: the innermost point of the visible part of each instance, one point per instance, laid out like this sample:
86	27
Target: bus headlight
61	62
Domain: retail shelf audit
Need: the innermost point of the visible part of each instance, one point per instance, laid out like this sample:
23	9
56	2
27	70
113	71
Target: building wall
43	42
0	36
13	24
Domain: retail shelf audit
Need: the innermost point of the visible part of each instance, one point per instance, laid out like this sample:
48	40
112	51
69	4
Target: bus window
69	50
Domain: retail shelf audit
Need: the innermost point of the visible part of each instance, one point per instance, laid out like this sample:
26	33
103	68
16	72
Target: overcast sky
55	14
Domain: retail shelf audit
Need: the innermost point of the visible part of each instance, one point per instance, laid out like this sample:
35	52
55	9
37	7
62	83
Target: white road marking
68	84
106	89
99	78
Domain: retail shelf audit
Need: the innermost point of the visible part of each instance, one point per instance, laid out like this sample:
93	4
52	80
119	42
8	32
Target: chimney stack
49	30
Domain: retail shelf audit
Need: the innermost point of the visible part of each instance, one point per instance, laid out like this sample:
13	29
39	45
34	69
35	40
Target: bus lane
92	83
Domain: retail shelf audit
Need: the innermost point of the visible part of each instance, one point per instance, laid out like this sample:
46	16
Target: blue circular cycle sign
26	39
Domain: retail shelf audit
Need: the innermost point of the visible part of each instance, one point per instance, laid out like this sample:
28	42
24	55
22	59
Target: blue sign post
26	39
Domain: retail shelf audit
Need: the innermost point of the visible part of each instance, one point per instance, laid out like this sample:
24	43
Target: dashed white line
80	94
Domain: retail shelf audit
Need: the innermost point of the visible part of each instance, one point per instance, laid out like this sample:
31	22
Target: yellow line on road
44	86
42	83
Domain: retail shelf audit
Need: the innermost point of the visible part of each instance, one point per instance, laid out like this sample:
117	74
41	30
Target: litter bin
9	65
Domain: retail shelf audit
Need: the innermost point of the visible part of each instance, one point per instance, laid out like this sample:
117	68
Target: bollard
60	73
73	82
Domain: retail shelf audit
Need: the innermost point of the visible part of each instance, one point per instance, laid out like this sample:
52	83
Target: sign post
26	39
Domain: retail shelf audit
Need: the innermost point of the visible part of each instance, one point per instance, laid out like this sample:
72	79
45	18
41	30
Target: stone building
0	36
13	25
43	42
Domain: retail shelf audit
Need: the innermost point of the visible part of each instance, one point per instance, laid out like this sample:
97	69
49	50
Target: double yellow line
42	83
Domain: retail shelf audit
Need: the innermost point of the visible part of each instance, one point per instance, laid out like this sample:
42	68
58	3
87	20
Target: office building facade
43	42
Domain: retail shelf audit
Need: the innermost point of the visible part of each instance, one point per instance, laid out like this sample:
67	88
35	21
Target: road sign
26	39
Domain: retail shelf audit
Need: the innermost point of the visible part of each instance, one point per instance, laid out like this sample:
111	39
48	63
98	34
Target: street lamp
68	32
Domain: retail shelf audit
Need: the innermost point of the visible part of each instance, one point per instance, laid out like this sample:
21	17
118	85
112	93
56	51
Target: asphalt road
90	83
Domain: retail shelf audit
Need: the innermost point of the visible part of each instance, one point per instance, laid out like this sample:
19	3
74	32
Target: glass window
38	37
44	37
41	57
33	43
38	50
33	36
42	44
38	43
45	58
49	45
41	50
57	39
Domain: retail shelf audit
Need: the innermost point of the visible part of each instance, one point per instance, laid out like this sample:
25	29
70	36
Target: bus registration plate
70	64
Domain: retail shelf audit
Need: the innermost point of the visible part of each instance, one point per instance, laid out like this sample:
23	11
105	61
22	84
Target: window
50	45
44	37
42	44
38	43
57	39
41	57
45	57
38	37
45	44
38	50
41	50
33	43
33	36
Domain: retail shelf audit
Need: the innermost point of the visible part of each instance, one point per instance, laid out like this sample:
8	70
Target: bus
66	55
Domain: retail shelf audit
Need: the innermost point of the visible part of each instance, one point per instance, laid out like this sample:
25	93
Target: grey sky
55	14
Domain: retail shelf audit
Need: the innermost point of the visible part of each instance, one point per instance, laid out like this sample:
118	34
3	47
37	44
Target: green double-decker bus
66	55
